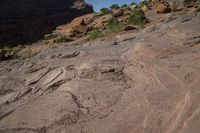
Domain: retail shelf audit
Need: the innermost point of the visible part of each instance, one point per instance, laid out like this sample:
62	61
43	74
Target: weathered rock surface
23	21
149	82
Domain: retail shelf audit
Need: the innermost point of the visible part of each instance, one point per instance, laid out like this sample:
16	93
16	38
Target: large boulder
77	25
161	7
118	12
70	29
179	4
25	21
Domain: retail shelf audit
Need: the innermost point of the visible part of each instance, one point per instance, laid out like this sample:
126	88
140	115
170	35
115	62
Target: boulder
123	19
78	25
162	8
194	9
118	13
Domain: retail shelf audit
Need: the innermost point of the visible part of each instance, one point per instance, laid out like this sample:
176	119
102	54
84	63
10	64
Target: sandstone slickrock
23	21
147	83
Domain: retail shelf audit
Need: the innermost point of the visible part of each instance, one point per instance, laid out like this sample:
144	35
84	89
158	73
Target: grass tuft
114	25
94	34
62	38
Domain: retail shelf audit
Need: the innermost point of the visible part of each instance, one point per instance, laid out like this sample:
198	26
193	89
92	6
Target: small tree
114	25
105	11
138	18
124	5
133	3
114	6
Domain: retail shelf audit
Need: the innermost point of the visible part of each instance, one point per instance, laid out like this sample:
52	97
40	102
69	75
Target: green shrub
186	2
138	18
61	39
12	52
114	6
124	5
94	34
114	25
105	11
133	3
145	3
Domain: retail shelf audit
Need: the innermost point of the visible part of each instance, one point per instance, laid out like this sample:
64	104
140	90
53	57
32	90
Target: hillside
24	21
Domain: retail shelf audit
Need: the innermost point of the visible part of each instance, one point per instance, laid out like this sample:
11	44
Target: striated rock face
24	21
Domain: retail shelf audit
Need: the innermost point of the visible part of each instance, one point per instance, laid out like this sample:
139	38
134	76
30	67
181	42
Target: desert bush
94	34
105	11
133	3
114	7
114	25
62	38
138	18
125	5
186	2
11	52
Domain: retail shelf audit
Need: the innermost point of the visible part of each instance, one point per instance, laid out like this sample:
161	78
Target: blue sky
98	4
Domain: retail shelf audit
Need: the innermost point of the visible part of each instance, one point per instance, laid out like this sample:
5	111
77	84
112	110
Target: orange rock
78	25
162	8
101	22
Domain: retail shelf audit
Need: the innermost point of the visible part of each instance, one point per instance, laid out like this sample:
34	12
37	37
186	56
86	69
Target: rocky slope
23	21
143	81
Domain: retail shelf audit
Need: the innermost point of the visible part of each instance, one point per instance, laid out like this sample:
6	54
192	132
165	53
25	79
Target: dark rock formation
25	21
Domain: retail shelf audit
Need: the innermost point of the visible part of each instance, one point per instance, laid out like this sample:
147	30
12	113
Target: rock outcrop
77	25
23	21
